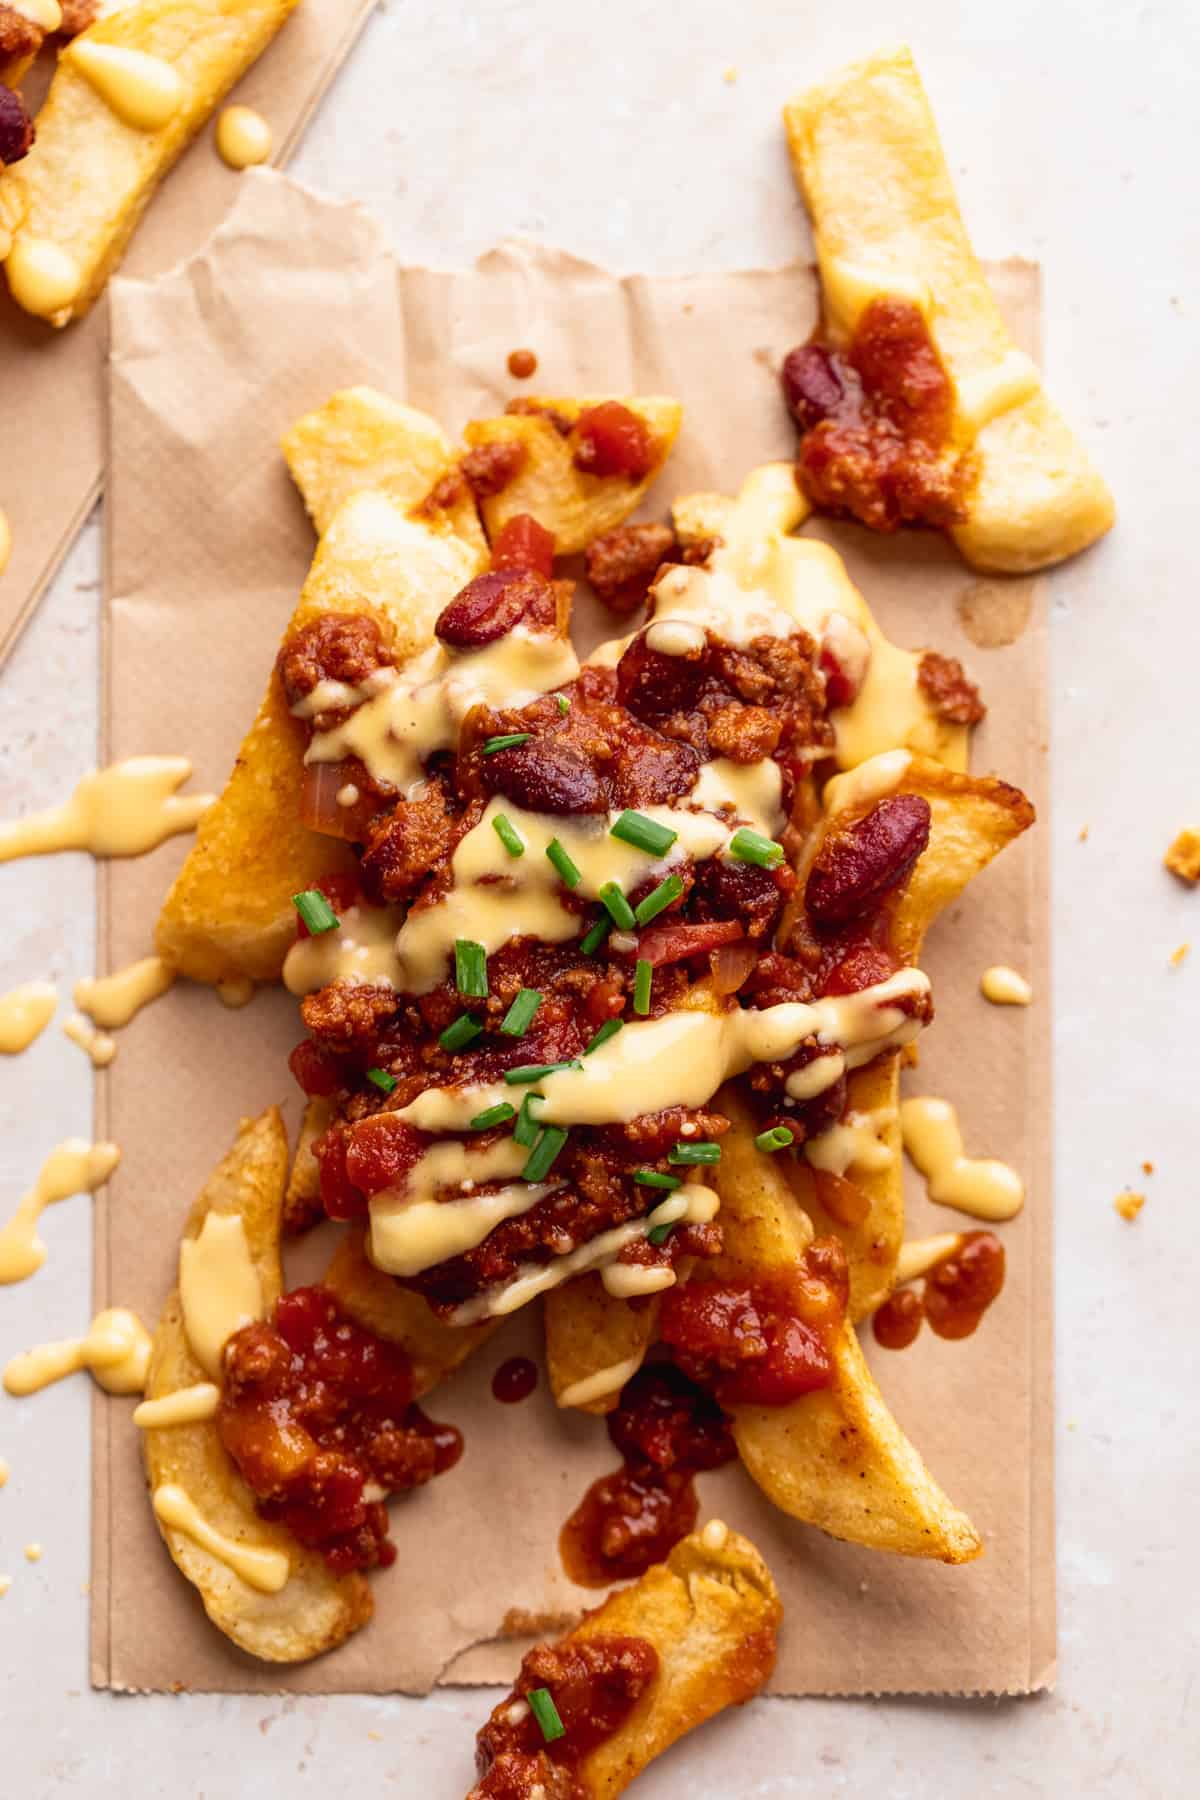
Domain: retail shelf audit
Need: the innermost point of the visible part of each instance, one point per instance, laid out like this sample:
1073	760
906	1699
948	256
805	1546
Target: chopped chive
564	705
546	1713
568	871
383	1081
683	1154
508	740
590	943
526	1129
652	1178
541	1157
617	906
643	833
470	968
527	1072
608	1030
508	834
643	978
462	1032
493	1115
316	911
752	847
778	1138
519	1017
659	900
660	1234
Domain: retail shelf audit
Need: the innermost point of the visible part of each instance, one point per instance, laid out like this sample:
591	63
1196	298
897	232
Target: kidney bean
855	865
544	776
491	604
812	384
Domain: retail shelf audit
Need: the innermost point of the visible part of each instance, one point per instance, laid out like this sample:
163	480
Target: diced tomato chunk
673	943
316	1072
862	967
521	543
381	1150
339	1196
611	440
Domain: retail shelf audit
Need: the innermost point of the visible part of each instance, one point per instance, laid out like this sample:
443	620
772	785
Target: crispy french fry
80	192
594	1343
360	439
575	506
230	911
314	1610
712	1614
390	1311
868	161
302	1196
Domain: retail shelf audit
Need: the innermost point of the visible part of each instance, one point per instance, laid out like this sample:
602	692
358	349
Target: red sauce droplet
959	1289
522	364
514	1380
898	1320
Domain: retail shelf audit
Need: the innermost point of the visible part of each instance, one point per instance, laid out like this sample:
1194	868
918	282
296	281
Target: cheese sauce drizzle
603	1382
219	1287
186	1406
74	1167
6	541
124	810
96	1044
116	1350
933	1139
1005	987
265	1570
919	1255
858	1141
112	1000
25	1013
143	91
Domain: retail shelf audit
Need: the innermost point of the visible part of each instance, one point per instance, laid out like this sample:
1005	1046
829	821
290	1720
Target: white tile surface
609	129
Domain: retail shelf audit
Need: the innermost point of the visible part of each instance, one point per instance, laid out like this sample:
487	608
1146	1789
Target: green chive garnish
462	1032
541	1157
683	1154
526	1129
617	906
752	847
527	1072
595	937
608	1030
643	978
493	1115
568	872
652	1178
778	1138
470	969
564	705
546	1713
659	900
519	1017
316	911
508	834
383	1081
660	1234
508	740
643	833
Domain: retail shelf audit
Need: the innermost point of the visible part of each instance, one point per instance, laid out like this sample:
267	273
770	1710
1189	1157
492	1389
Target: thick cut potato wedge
314	1610
302	1196
390	1311
575	506
360	439
712	1613
86	182
230	911
594	1343
885	218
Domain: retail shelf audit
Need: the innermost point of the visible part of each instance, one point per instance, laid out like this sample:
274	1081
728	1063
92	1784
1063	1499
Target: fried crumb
1179	955
1129	1204
1083	833
730	75
1183	857
1147	1168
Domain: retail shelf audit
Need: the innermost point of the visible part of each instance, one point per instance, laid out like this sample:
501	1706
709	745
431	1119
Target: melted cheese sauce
981	395
123	810
919	1255
74	1167
848	288
855	1142
5	1472
43	278
933	1139
265	1570
46	14
604	1382
186	1406
244	138
1005	987
412	1228
361	949
6	541
112	1000
142	90
715	1536
25	1013
219	1288
95	1044
116	1350
869	782
235	993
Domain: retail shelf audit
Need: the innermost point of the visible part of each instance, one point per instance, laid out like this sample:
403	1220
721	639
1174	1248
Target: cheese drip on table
933	1140
73	1167
123	810
25	1013
116	1349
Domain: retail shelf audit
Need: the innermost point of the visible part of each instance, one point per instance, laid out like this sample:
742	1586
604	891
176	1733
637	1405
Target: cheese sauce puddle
116	1350
983	1188
124	810
74	1167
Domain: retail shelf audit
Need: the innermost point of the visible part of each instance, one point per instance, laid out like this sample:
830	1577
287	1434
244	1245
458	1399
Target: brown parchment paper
208	547
52	422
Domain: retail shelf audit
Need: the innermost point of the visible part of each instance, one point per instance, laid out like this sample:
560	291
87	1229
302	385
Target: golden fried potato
360	439
712	1613
230	911
24	27
575	506
594	1343
314	1610
83	187
302	1196
380	1304
885	218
